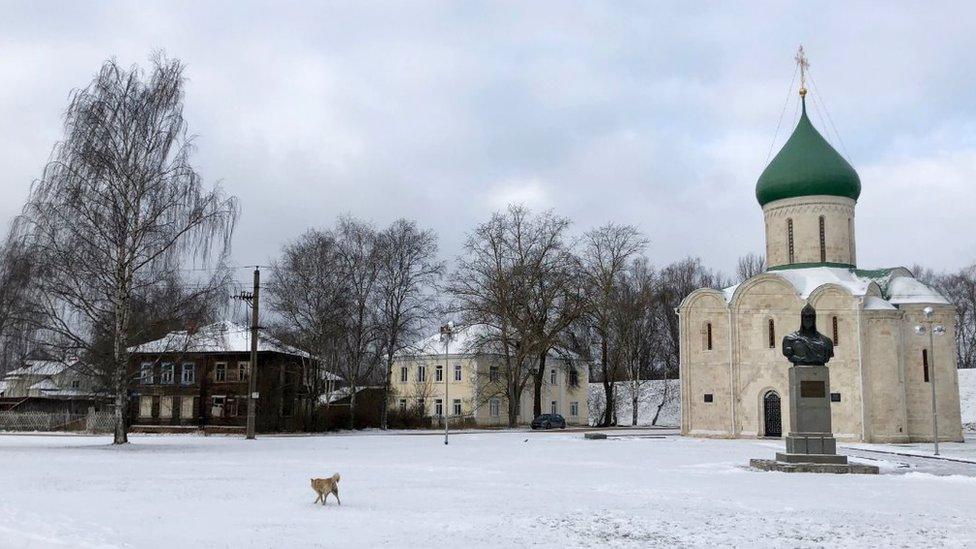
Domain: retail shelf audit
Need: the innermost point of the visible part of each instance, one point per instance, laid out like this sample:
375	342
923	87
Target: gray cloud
656	115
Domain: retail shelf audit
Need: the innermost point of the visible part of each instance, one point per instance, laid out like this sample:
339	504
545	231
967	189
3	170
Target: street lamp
447	334
932	330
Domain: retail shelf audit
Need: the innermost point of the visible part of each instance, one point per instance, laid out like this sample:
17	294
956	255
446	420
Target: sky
661	115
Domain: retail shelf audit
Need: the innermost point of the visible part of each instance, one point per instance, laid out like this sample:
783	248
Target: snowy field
650	395
504	489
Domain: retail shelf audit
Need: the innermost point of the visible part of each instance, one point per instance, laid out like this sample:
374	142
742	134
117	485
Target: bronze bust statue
807	346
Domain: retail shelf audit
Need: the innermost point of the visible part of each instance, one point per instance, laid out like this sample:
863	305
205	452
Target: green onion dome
806	166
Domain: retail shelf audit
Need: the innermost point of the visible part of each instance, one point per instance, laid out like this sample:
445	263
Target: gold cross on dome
801	60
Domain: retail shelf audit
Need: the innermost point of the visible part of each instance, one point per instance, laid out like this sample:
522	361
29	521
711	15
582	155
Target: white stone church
733	373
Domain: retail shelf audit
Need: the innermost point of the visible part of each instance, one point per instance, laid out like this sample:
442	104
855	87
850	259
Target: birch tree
119	210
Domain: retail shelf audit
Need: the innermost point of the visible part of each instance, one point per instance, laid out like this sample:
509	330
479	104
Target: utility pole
447	334
253	367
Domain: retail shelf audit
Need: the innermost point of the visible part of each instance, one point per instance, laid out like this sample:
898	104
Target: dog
325	486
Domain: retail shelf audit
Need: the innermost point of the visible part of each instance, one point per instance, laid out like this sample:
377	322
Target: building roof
42	368
896	285
806	166
219	337
473	339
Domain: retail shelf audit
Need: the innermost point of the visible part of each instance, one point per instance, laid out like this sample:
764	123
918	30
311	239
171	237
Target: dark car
549	421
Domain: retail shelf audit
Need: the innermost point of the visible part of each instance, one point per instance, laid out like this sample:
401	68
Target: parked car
549	421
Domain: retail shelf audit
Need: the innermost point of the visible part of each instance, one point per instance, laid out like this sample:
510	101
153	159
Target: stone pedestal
810	444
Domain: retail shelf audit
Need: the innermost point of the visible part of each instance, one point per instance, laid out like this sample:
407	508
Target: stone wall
838	214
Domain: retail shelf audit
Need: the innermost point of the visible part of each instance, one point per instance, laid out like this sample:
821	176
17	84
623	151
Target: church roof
897	286
806	166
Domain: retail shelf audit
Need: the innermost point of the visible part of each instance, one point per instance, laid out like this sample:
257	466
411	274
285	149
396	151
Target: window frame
190	367
438	407
771	330
220	372
221	406
494	374
457	373
574	409
167	370
925	366
494	407
404	374
456	409
243	369
146	373
553	406
789	236
422	373
823	239
835	325
439	373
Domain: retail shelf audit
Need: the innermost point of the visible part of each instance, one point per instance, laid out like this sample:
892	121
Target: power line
779	122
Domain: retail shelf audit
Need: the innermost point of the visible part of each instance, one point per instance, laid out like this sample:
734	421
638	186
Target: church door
771	414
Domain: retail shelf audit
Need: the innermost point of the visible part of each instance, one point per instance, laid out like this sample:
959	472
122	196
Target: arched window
772	334
789	237
823	241
708	336
925	365
836	332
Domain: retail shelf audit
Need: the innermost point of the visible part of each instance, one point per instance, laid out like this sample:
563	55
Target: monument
810	444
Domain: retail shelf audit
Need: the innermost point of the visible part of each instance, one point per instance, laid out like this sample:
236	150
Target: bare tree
17	318
493	285
408	271
118	212
749	266
606	254
960	289
307	293
633	341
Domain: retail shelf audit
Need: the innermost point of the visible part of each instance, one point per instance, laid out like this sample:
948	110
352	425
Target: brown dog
325	486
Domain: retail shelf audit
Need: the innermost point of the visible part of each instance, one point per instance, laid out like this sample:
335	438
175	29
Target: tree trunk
537	386
121	407
634	394
352	407
611	405
385	405
513	409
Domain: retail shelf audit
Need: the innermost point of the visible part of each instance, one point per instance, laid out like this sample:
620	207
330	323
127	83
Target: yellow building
468	385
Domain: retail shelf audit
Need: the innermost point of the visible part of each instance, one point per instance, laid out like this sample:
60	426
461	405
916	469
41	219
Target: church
733	373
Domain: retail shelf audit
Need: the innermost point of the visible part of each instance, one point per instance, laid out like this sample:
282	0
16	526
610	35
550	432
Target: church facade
733	374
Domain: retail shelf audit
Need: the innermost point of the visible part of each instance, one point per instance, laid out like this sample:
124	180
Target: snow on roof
3	386
41	368
219	337
872	303
45	385
897	285
471	339
904	289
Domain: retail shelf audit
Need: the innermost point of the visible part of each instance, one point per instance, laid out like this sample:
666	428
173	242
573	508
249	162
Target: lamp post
447	334
928	326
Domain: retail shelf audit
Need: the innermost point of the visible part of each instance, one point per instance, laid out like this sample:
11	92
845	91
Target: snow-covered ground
502	489
650	395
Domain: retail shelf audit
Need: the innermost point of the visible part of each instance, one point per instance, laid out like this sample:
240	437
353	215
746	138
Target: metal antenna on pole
252	395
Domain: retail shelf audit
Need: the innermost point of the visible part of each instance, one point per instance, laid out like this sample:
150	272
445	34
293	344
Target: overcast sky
657	114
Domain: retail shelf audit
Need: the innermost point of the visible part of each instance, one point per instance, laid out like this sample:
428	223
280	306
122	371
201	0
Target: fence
93	422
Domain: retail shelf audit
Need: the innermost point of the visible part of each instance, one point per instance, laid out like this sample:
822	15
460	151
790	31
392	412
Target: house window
823	241
438	373
189	374
242	369
789	237
772	334
421	373
456	405
493	374
403	374
708	336
457	372
421	406
573	377
232	409
166	373
709	397
925	365
574	408
220	374
494	407
438	407
75	383
145	406
403	405
552	376
146	373
217	406
553	408
833	322
186	407
166	407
